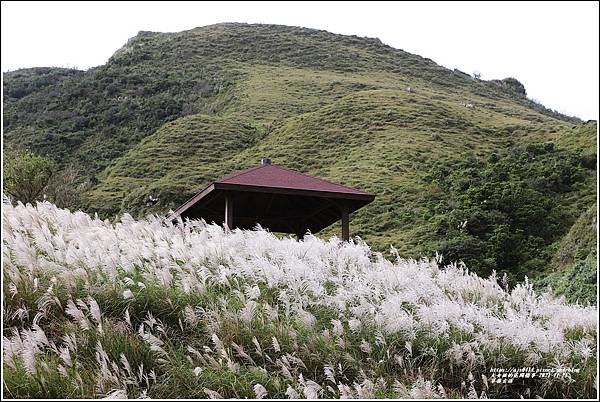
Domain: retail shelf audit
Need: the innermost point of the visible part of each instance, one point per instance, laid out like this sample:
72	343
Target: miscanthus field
149	308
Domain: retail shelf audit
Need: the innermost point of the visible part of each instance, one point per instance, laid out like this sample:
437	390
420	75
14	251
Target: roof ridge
320	178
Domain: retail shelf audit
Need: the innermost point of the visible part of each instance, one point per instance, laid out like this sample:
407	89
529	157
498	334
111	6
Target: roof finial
265	161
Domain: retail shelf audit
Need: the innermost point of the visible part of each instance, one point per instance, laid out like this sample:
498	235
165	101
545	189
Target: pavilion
277	198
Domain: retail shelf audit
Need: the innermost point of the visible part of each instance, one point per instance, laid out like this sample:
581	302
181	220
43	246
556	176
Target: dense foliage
506	213
156	309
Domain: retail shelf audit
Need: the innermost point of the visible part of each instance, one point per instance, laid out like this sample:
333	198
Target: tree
26	176
29	177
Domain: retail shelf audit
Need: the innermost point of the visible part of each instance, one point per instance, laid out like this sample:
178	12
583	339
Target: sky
552	48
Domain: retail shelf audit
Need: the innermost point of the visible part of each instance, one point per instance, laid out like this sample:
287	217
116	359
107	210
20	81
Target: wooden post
228	212
345	223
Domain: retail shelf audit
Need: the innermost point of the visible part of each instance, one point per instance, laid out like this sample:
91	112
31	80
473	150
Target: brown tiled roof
279	177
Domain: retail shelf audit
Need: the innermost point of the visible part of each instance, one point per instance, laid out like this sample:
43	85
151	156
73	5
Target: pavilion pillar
300	233
345	223
228	212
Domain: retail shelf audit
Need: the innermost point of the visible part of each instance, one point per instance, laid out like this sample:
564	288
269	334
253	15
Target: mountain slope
91	117
170	112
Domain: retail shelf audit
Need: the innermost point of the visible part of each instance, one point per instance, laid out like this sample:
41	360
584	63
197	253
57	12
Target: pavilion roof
275	197
274	176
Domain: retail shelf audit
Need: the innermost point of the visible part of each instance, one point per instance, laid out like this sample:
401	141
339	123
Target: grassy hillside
194	149
152	309
170	112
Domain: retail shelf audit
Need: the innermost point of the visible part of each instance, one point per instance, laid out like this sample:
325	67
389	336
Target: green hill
468	167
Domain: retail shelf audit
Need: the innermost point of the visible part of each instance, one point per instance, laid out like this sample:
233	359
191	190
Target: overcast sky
552	48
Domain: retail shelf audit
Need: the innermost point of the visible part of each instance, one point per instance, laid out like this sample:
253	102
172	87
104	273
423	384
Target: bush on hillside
511	85
29	177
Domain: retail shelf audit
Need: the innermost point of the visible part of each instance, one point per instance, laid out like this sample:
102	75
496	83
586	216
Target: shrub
27	175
